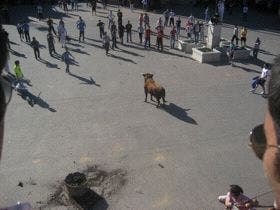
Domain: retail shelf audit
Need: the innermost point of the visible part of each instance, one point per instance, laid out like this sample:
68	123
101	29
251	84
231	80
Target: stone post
214	35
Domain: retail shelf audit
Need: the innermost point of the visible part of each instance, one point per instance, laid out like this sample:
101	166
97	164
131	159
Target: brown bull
150	86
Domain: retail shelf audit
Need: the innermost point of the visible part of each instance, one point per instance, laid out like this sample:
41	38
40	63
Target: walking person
25	28
160	35
81	25
128	28
50	24
63	35
261	80
166	17
35	45
243	36
101	27
111	17
173	33
140	32
20	31
121	29
66	57
235	35
114	35
18	72
171	19
147	37
256	48
51	42
106	42
178	26
146	20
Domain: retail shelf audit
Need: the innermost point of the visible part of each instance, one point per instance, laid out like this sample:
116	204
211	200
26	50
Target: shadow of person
122	58
17	53
85	81
178	112
32	99
77	50
48	64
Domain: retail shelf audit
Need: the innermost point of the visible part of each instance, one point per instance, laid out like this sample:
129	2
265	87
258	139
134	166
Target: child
256	48
235	197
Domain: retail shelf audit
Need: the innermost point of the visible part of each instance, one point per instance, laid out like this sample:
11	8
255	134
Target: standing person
256	47
140	32
173	33
35	45
131	5
221	9
106	42
119	15
59	28
141	19
93	4
148	37
235	35
63	35
146	20
72	4
40	12
65	8
20	31
201	31
121	32
230	53
50	24
188	28
159	22
166	17
206	14
262	79
178	26
101	27
128	28
51	41
111	17
196	30
25	28
18	72
230	7
145	4
66	57
81	25
245	12
160	35
243	36
171	19
114	35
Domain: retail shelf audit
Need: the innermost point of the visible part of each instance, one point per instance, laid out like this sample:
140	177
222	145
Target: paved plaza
181	156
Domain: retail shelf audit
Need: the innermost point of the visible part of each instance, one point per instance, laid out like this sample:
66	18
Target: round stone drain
76	184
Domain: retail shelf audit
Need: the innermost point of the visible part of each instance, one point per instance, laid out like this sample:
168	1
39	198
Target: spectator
256	47
72	4
178	26
230	53
141	19
40	12
20	31
111	17
146	20
206	13
76	6
51	41
59	28
50	24
63	35
101	26
160	35
36	47
159	22
196	30
106	42
243	36
121	32
81	25
235	35
173	33
114	35
66	57
25	28
245	12
201	31
119	15
148	37
128	28
140	32
221	9
166	17
171	19
65	8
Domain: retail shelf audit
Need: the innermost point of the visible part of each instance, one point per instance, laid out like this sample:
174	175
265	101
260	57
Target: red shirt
147	32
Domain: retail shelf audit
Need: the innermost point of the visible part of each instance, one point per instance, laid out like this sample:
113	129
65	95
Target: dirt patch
101	185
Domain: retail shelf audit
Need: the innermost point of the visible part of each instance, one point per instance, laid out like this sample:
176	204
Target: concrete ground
181	156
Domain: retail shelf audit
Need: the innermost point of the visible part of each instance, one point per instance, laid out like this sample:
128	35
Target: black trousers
27	36
82	35
36	53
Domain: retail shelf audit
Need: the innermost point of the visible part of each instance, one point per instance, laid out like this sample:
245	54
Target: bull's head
147	76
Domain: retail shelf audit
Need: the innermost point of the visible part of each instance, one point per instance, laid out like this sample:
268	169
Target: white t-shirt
265	73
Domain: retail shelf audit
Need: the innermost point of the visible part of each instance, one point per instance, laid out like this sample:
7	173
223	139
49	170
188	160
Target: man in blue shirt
25	28
81	25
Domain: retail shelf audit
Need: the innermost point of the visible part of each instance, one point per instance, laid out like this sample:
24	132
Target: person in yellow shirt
17	70
243	35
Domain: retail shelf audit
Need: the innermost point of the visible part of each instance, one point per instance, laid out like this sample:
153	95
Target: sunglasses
6	85
258	141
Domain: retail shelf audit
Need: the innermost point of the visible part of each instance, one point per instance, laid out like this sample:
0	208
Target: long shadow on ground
85	81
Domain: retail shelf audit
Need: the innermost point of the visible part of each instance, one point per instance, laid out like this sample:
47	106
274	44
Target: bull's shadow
178	112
